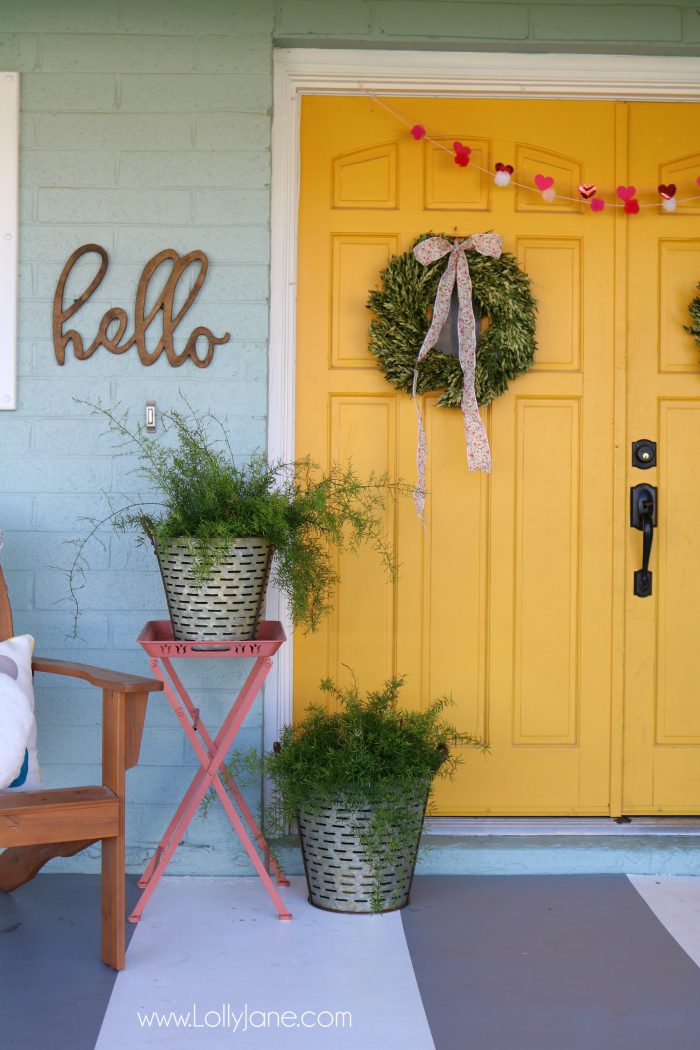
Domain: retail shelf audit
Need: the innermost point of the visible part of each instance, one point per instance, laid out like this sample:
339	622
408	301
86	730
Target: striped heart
588	190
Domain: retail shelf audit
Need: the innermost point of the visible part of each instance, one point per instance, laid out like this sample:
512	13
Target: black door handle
643	517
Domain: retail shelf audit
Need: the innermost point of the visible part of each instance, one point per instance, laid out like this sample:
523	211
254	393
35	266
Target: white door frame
9	226
306	71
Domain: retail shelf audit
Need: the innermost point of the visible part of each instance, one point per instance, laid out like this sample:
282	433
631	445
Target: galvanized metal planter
226	606
337	869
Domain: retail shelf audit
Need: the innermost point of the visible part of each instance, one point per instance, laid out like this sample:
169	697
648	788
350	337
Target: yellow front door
507	599
662	681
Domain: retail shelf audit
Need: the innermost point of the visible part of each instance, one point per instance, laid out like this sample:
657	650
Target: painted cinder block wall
145	126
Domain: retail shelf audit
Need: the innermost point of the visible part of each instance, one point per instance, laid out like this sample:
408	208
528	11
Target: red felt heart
543	182
461	154
505	167
631	207
588	190
418	131
626	193
667	191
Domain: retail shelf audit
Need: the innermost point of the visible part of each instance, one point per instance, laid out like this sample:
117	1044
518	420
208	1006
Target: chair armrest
99	676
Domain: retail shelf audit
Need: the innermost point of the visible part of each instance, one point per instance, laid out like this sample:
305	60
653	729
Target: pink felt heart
543	182
418	131
597	204
626	193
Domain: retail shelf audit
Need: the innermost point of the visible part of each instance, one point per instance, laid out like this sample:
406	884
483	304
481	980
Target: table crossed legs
211	754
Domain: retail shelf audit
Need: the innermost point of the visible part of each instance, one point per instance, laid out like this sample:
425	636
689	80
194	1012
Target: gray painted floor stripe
548	963
54	989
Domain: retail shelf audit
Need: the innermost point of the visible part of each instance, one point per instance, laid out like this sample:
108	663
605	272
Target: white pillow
19	766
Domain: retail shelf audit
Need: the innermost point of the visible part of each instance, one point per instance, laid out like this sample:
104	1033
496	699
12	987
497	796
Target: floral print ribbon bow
457	270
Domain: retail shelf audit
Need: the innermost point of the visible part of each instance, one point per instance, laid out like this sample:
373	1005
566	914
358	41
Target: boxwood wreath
694	310
403	308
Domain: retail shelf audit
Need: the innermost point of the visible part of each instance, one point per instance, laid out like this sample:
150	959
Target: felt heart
418	131
461	154
588	190
626	193
543	182
631	207
505	167
667	191
597	204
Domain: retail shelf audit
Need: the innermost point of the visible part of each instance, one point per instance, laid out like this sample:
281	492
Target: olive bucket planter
228	604
342	873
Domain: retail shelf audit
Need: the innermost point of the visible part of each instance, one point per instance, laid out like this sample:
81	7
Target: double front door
517	597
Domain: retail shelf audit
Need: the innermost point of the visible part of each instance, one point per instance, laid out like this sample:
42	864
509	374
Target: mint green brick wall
145	126
513	25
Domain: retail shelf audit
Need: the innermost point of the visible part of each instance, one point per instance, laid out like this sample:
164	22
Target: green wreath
694	311
403	308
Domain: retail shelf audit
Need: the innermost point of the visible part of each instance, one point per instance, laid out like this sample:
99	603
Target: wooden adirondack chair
38	825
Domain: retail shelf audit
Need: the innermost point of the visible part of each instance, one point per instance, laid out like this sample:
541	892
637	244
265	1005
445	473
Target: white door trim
9	224
303	71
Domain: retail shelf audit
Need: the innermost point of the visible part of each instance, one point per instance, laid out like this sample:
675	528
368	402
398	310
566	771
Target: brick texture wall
145	126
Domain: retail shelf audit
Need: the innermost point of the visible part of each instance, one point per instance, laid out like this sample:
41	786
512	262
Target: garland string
487	171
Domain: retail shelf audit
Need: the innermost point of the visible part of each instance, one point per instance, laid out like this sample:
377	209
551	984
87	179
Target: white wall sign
9	196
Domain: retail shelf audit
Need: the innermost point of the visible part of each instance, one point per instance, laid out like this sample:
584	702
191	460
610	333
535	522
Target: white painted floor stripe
214	948
675	900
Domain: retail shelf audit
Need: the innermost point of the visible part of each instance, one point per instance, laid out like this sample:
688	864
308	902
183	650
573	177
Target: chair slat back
6	629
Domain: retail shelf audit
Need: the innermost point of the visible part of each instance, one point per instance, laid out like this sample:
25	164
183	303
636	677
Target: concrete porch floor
555	962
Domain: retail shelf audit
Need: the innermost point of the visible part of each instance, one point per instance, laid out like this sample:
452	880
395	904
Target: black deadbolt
644	454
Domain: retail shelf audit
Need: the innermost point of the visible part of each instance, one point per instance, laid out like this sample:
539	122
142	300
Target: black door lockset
644	454
643	503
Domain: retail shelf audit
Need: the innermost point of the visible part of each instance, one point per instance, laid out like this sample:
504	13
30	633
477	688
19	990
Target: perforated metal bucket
338	875
226	606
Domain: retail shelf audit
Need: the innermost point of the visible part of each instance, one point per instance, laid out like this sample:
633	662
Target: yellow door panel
504	600
662	691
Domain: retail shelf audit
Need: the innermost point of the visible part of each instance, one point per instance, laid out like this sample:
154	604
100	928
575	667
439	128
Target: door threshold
512	827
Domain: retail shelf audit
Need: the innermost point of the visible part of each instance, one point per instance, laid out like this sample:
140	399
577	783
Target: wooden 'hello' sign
114	323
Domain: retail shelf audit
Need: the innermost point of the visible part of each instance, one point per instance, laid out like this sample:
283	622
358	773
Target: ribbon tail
478	451
477	442
421	460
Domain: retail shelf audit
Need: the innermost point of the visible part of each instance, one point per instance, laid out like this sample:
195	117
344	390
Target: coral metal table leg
228	780
208	777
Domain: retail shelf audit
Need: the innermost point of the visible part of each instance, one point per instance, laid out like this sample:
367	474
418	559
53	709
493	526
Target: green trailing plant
694	311
402	310
365	753
206	497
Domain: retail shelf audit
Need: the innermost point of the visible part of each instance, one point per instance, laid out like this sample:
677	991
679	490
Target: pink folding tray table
157	639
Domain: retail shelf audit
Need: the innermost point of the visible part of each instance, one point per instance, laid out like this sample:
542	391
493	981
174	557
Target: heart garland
544	184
